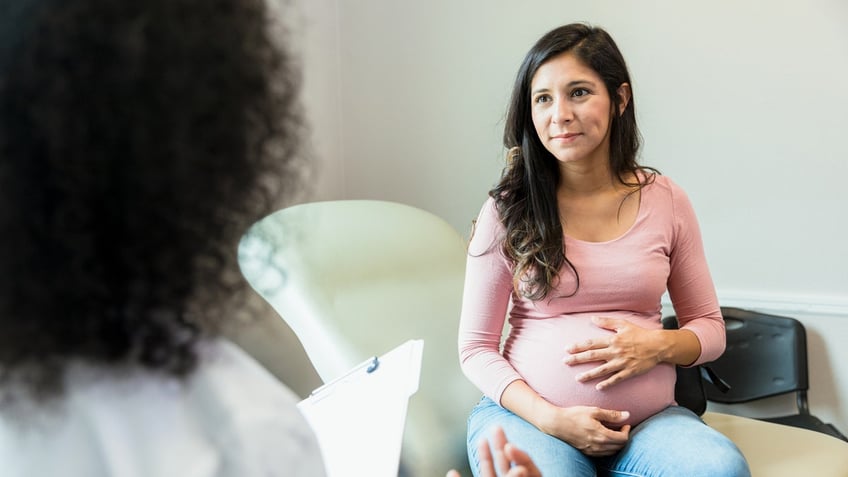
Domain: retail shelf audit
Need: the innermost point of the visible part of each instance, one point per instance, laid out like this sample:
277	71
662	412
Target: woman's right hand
593	431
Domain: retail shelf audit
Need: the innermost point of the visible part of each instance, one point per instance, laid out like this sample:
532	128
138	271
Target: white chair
777	450
356	278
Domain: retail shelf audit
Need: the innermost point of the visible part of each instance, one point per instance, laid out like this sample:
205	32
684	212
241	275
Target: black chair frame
766	356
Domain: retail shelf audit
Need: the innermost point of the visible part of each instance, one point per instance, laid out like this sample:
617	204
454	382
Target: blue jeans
673	442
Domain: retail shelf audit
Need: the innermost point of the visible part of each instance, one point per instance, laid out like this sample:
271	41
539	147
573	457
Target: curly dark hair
138	141
525	196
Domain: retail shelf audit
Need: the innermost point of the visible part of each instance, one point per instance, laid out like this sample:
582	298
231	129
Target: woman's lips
566	137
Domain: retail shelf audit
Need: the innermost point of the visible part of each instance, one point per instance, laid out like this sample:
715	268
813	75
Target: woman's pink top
622	278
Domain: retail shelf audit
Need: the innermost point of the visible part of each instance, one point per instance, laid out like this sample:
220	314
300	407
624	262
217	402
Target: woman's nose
562	112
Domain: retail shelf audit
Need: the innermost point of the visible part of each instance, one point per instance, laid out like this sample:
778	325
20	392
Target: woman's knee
679	442
724	458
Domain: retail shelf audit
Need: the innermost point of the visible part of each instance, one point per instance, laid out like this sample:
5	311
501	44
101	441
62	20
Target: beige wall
741	102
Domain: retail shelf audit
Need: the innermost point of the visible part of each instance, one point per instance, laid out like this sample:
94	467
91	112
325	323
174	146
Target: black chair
766	356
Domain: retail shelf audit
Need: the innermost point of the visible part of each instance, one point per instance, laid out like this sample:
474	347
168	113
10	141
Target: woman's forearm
526	403
680	347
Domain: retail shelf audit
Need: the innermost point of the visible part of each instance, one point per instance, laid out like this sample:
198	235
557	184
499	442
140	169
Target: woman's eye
579	92
542	98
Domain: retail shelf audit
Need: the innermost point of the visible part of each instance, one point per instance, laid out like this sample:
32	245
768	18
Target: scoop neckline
626	232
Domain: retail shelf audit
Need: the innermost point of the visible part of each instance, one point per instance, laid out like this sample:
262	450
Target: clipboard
359	417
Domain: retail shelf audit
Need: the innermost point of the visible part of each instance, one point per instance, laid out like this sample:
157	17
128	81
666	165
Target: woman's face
572	110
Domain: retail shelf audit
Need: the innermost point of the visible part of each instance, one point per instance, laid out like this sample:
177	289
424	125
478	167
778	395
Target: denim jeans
673	442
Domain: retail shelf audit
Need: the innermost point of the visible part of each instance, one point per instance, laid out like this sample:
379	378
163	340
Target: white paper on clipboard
359	417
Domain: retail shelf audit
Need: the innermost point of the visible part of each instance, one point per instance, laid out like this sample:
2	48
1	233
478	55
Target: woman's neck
585	179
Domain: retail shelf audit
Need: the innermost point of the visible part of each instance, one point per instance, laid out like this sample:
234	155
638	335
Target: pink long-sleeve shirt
622	278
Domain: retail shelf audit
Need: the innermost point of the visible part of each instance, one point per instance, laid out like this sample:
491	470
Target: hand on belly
628	351
592	370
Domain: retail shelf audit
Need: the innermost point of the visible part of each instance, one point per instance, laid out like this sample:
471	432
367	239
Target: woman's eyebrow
571	84
580	82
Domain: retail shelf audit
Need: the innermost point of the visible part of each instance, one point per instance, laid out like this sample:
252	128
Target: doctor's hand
503	456
630	351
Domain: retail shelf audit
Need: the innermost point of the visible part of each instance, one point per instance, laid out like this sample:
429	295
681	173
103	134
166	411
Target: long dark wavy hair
138	141
525	196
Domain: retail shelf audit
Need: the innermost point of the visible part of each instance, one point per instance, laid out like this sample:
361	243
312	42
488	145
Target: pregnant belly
536	350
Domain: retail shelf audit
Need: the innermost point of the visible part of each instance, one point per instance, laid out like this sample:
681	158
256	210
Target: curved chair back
766	356
356	278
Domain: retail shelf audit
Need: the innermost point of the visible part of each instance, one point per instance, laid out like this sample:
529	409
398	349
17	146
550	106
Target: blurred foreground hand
508	459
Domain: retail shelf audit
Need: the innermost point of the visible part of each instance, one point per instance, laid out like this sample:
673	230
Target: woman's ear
623	97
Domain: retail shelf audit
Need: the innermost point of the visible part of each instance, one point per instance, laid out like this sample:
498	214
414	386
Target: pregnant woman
576	244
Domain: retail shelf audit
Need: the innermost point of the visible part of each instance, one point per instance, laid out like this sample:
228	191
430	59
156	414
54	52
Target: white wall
741	102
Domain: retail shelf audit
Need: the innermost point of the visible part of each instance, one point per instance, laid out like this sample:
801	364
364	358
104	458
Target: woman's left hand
630	351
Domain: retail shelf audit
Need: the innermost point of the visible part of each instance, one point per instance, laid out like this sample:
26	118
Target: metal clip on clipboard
359	417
